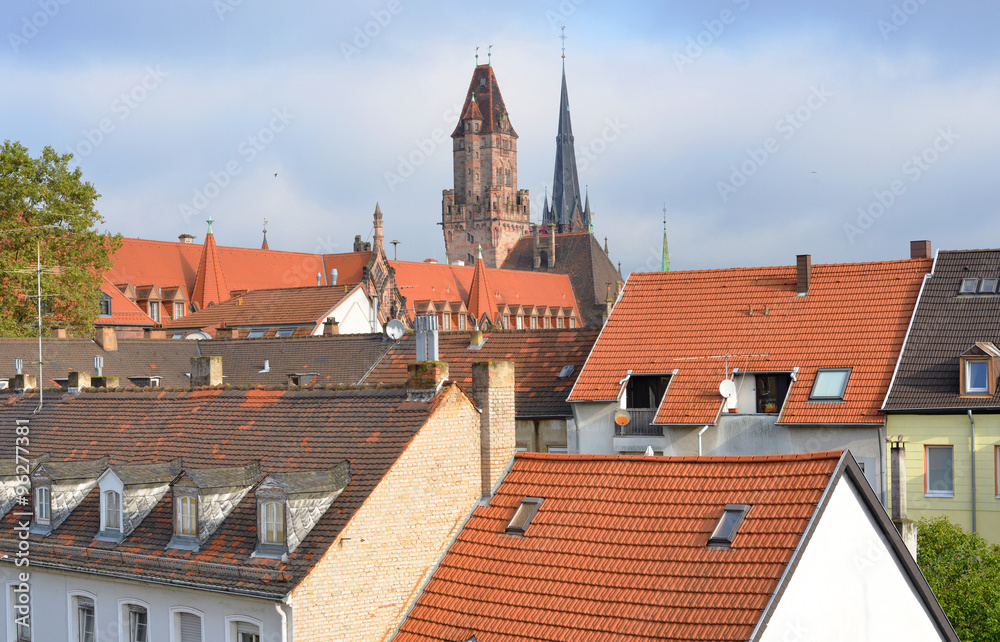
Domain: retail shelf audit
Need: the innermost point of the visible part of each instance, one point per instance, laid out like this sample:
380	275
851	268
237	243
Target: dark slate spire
565	184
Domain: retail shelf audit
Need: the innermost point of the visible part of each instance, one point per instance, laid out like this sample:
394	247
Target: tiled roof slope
580	256
337	360
439	282
123	311
538	357
618	550
163	358
854	316
481	299
946	324
285	431
272	307
210	287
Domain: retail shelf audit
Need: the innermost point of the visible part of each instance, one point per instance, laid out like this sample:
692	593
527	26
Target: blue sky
769	129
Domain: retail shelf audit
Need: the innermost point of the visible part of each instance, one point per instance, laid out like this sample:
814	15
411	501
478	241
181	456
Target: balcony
640	424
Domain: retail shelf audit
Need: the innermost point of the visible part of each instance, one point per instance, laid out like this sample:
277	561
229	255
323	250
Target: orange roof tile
618	550
437	282
854	316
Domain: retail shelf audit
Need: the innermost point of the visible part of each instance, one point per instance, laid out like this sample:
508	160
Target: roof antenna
489	56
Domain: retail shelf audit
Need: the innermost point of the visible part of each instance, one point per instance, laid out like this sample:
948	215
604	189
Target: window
968	286
771	391
987	286
135	623
43	504
939	471
242	631
461	321
830	384
534	322
186	627
178	310
272	523
565	372
645	391
523	516
506	322
977	377
559	323
187	516
284	332
256	334
445	321
728	524
106	307
112	510
154	310
520	322
20	614
546	323
572	323
84	621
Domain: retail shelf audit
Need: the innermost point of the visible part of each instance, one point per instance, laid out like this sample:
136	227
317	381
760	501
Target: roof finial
563	38
489	56
210	221
263	245
480	252
477	56
665	262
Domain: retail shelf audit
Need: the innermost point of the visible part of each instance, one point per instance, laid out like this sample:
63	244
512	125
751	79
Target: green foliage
963	570
45	192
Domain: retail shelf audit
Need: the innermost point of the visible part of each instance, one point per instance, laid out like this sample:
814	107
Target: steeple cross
563	38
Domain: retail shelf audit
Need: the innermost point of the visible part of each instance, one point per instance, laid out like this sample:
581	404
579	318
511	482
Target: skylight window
728	525
256	334
968	286
830	384
565	372
284	332
525	513
987	286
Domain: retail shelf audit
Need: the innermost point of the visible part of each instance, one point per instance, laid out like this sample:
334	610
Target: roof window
525	513
728	525
830	384
565	372
256	334
968	286
284	332
987	286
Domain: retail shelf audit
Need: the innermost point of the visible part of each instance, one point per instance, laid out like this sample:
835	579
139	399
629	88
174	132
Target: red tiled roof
489	103
282	306
618	550
210	283
538	357
854	316
480	300
439	282
123	311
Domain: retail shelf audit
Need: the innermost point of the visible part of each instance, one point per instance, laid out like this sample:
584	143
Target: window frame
74	614
13	632
105	306
996	470
963	289
186	499
967	363
106	510
982	285
264	536
153	307
125	606
284	333
234	622
928	492
715	539
535	504
47	504
175	614
843	389
178	307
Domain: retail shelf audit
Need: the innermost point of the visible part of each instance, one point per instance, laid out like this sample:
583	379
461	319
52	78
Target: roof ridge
820	455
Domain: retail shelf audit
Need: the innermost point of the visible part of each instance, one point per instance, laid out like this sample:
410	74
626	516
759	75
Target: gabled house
601	547
212	514
749	361
943	403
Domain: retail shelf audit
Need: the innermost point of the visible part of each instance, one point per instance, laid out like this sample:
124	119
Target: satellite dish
395	329
727	388
621	417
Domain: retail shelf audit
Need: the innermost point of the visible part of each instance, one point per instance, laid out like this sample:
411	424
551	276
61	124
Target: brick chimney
493	393
424	379
58	333
106	338
206	371
907	527
330	327
803	273
154	333
225	332
920	249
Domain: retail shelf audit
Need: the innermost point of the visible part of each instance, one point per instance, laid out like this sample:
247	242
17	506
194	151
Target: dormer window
43	505
978	369
977	377
728	525
154	310
645	391
525	513
272	523
187	516
111	511
105	306
830	384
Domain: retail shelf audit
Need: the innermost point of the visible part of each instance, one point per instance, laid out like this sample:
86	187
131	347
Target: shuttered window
189	626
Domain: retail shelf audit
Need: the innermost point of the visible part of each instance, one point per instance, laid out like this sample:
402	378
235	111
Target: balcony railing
640	424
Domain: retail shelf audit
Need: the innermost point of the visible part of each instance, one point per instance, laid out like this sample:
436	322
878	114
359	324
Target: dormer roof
71	483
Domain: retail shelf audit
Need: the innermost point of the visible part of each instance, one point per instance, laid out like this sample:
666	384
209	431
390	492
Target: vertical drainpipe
972	422
285	635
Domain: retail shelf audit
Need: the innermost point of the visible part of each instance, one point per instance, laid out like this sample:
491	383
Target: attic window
977	377
645	391
284	332
729	523
987	286
565	372
830	384
43	504
256	334
105	306
525	513
968	286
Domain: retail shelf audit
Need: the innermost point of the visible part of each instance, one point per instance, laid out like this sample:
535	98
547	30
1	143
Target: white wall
51	590
353	314
849	585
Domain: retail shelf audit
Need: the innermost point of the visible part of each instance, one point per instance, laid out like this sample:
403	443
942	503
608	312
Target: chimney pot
206	371
803	273
106	338
333	276
186	238
920	249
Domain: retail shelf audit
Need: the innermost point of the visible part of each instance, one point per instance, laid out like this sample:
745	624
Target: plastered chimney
106	338
493	393
206	371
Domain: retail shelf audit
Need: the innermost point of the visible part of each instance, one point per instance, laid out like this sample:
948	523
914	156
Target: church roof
488	101
565	182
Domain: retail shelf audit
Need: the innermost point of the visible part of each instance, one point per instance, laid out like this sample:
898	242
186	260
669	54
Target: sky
766	129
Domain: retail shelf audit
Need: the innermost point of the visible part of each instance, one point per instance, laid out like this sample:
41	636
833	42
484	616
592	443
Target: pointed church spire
481	301
566	182
665	262
210	282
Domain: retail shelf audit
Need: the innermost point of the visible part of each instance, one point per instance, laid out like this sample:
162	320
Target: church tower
485	208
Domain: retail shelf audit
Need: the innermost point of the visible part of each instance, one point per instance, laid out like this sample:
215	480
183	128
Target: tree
46	207
963	570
